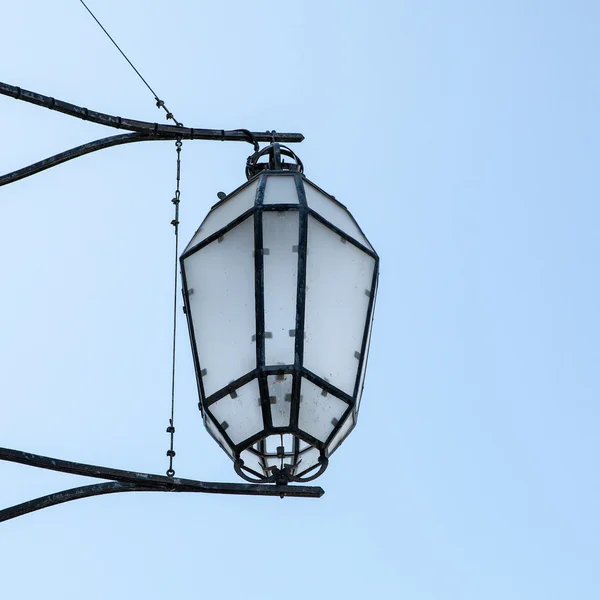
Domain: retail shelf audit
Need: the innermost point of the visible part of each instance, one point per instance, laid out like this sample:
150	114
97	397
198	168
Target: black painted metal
259	303
275	162
364	350
190	322
215	236
131	481
234	385
145	131
166	132
38	167
342	234
86	491
300	301
325	385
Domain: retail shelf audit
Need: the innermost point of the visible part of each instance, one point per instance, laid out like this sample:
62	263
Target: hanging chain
175	223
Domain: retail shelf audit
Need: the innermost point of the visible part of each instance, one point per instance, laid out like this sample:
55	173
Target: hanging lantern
279	287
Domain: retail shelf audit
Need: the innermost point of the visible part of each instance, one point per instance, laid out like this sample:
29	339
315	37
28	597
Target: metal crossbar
143	131
132	481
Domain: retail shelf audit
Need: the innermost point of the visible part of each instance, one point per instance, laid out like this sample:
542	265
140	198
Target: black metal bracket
274	153
119	480
282	476
143	131
132	481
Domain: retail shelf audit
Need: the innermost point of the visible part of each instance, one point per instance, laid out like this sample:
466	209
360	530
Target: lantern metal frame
119	480
259	172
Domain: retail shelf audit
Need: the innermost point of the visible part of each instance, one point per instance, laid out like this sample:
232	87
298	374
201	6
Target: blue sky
463	136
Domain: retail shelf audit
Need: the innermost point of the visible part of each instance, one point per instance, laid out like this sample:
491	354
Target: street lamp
279	287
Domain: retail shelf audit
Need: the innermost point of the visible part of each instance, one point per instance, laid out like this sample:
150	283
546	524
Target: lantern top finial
275	154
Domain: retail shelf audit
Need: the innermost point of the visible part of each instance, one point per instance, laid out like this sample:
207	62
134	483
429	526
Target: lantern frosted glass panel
281	189
225	444
280	268
363	372
309	459
280	394
220	287
239	413
334	212
338	280
226	211
277	308
320	411
253	461
342	434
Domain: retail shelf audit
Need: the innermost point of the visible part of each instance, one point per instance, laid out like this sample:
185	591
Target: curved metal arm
86	491
132	481
144	131
57	159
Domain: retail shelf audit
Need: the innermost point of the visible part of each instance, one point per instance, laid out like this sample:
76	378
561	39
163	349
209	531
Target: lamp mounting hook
274	153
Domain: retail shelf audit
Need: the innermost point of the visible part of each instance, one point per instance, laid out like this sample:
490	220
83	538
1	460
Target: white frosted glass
217	435
309	458
341	435
273	462
338	277
241	416
271	442
334	213
279	390
225	212
280	237
220	280
280	189
288	444
319	413
252	461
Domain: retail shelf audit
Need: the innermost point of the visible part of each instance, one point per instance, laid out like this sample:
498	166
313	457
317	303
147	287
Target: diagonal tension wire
175	223
159	103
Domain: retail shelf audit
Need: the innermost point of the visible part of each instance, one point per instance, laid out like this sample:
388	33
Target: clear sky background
464	137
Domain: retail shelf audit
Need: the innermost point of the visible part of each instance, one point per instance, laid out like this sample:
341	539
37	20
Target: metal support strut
119	480
132	481
143	132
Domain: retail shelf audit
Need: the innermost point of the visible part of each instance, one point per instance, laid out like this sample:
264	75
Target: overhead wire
159	103
175	222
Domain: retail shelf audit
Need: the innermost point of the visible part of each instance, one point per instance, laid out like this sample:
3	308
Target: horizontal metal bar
157	482
165	132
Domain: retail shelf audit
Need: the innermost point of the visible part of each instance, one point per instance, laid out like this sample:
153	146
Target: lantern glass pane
338	281
252	461
220	281
281	189
280	398
226	211
273	462
280	260
334	212
217	435
341	435
320	412
240	413
308	459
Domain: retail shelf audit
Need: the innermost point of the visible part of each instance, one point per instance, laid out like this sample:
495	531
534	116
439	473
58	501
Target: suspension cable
159	103
175	223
